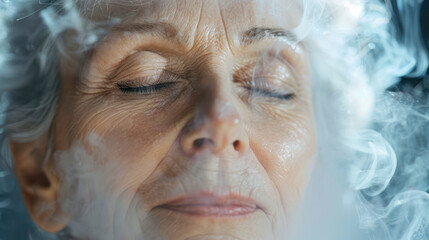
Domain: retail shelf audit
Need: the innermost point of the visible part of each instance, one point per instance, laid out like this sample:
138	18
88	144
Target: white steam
98	208
384	149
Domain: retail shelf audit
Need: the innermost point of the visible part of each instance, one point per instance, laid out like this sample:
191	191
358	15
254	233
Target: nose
216	125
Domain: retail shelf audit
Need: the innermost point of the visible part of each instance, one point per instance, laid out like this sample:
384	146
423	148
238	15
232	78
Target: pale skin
182	95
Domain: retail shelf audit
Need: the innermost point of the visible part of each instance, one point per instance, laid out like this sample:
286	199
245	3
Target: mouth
211	205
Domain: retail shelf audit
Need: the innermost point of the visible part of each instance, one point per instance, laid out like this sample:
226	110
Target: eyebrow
261	33
160	29
168	31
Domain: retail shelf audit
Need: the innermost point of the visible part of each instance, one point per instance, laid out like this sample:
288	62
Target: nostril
200	142
237	145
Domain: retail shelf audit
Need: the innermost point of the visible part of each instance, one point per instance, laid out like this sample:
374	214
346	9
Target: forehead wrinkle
199	21
224	26
208	32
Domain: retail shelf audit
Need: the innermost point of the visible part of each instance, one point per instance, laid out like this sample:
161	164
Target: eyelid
265	83
138	62
276	78
151	79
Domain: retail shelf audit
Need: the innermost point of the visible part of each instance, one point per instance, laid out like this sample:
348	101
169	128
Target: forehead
177	26
157	7
191	16
250	11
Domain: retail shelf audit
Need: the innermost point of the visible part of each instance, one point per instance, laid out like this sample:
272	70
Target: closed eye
145	89
271	94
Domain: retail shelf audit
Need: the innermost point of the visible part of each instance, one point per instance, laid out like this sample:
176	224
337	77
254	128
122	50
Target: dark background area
418	87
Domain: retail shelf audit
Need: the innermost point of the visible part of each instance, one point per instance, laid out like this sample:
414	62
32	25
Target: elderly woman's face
204	108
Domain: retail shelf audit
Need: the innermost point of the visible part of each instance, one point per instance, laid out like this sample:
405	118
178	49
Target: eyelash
272	94
162	86
145	89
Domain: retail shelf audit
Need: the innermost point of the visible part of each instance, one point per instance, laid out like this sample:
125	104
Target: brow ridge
260	33
161	29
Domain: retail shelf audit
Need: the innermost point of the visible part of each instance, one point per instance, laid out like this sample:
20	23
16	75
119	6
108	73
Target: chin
173	224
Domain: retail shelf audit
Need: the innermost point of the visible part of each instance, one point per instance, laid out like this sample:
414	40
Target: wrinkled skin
222	115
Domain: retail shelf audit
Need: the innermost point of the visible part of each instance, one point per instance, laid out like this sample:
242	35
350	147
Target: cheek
132	139
286	149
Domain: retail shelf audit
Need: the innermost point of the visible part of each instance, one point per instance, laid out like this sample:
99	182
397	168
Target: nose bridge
217	103
216	113
215	86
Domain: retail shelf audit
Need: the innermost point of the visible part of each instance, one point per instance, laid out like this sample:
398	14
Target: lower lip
212	210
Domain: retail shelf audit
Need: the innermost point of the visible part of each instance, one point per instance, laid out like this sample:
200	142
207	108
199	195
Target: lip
212	205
